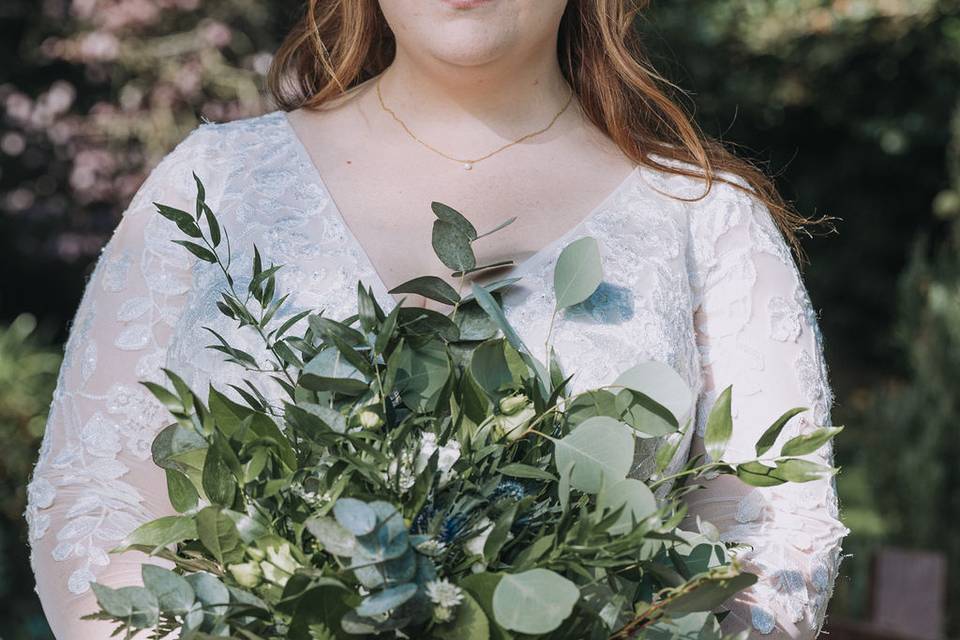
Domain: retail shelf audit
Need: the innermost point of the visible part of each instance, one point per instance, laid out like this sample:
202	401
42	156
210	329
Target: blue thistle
509	489
421	523
451	528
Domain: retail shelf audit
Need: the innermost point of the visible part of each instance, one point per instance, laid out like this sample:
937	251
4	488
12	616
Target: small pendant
467	166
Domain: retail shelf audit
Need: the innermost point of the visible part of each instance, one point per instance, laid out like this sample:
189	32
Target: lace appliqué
101	420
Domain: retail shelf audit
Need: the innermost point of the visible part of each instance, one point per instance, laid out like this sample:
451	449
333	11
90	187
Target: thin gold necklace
467	164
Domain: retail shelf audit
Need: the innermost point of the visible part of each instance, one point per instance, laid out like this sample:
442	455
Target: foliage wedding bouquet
427	477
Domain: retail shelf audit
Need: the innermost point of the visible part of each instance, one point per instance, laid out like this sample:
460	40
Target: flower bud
512	404
280	557
513	426
370	419
275	575
246	574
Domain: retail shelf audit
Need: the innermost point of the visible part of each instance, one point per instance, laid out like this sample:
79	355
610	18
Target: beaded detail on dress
708	287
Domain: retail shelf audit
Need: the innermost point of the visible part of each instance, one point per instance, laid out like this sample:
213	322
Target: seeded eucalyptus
421	474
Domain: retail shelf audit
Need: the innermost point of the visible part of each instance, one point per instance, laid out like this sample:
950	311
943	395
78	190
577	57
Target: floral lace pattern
708	287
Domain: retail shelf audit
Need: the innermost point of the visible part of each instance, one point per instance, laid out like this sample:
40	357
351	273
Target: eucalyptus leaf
383	601
330	371
663	391
355	516
578	272
470	623
601	450
455	218
334	537
636	498
452	246
534	602
174	594
135	605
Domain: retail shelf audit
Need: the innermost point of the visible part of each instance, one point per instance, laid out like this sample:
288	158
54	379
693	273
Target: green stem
266	341
688	472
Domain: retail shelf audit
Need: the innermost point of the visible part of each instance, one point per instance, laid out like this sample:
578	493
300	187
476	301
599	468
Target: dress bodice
708	287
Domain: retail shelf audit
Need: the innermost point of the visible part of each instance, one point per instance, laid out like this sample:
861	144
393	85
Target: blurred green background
853	104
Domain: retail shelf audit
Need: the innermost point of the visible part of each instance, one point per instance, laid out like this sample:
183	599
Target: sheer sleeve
757	330
94	480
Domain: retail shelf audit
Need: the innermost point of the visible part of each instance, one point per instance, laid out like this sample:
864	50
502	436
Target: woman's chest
641	310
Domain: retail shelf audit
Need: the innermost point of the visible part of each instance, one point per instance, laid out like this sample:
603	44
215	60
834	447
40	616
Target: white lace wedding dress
708	287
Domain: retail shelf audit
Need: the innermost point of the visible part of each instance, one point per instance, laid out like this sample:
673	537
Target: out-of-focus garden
854	104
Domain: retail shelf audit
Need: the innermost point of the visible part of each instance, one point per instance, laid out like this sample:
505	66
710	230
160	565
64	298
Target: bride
542	109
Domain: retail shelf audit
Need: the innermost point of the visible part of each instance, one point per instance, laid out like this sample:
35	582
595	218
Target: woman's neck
509	95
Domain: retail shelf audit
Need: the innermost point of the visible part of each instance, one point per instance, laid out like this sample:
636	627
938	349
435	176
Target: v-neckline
374	274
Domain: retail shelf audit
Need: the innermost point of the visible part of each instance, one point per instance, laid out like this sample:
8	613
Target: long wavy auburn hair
337	44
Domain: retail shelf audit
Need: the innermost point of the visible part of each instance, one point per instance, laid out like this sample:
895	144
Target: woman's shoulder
236	139
222	155
710	206
682	180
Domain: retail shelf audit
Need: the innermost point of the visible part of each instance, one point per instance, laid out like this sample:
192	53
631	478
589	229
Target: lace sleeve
94	480
757	330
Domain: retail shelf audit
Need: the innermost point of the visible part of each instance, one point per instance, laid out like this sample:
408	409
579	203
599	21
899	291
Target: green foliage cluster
914	487
28	369
423	478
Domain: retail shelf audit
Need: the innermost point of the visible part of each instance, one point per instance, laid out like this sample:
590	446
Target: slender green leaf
719	426
810	442
430	287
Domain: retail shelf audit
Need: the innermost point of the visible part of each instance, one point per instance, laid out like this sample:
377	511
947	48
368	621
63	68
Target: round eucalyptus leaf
636	498
534	602
449	214
173	592
470	623
661	383
452	246
330	371
422	375
333	536
600	450
135	605
699	626
385	600
491	370
578	272
355	516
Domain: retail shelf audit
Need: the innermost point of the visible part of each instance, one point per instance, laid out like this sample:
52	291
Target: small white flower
431	547
444	593
448	456
442	614
370	419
